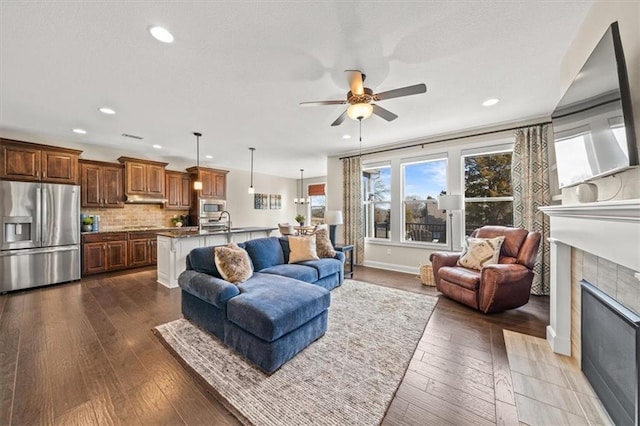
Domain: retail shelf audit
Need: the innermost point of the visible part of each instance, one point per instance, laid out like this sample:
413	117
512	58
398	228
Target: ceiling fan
360	99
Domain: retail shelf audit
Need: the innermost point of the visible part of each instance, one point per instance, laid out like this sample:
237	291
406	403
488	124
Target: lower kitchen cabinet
143	249
104	252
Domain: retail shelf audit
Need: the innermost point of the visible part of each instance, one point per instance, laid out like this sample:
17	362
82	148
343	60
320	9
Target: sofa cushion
269	308
297	271
302	248
264	252
233	263
325	267
467	278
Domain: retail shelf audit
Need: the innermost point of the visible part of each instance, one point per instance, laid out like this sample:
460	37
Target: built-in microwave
211	208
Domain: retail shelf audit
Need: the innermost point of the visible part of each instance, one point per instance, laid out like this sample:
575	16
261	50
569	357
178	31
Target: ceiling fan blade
384	113
356	79
340	119
322	103
404	91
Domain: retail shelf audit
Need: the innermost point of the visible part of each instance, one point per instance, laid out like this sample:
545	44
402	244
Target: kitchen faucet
229	216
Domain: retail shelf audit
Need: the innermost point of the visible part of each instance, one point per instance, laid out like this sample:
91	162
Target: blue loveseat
273	315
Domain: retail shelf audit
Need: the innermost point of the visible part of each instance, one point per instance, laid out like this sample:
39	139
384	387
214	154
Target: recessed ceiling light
157	146
490	102
80	131
161	34
208	156
346	136
106	110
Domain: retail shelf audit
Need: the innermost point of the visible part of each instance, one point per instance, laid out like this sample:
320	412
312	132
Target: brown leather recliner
497	287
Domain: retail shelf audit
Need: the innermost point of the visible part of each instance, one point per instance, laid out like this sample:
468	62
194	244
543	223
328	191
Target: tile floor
550	389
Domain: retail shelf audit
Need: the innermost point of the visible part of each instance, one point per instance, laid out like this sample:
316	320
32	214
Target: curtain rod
443	140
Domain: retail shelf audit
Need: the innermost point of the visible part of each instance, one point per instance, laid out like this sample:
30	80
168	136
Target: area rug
347	377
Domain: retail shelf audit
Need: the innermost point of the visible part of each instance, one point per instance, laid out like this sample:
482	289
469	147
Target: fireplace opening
610	351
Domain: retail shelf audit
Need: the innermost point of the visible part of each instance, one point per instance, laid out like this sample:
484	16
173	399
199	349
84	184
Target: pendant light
251	188
197	184
302	199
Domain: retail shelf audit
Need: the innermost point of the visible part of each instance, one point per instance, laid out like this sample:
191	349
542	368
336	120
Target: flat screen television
593	126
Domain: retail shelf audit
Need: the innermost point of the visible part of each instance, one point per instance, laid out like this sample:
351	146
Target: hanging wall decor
275	201
260	201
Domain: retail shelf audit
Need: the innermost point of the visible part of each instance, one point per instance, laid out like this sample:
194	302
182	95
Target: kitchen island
174	246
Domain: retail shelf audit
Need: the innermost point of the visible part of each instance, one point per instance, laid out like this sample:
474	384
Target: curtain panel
530	180
352	202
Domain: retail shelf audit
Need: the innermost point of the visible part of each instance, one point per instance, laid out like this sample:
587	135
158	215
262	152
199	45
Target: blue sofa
273	315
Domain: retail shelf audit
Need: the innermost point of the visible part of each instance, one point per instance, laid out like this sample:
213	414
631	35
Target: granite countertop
188	233
144	229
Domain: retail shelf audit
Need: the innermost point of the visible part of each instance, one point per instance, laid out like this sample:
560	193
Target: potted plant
300	219
87	223
175	220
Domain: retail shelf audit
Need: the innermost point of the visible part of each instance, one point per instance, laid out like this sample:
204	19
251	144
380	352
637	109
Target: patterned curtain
530	179
352	202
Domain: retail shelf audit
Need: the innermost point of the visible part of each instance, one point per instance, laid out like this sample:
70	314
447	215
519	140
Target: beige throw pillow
480	252
302	248
233	263
324	248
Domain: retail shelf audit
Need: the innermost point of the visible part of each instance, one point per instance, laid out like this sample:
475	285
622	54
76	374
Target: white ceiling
237	72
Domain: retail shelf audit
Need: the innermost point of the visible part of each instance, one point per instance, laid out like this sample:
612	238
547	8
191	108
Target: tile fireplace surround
609	230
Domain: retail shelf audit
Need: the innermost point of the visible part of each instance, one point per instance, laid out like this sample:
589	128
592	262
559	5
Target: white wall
604	12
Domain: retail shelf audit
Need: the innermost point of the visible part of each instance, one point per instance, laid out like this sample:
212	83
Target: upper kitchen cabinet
178	190
102	184
143	177
214	181
34	162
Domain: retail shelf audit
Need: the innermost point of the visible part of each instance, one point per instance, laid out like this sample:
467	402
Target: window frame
368	205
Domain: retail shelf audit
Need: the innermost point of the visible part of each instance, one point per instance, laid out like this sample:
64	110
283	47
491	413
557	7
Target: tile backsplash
134	215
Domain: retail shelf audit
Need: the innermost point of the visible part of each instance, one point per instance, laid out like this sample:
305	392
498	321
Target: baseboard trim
392	267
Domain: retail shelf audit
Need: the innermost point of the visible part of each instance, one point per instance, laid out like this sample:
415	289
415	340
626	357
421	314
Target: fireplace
610	353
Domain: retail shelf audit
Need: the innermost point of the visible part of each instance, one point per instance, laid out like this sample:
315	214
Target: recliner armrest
504	286
439	259
210	289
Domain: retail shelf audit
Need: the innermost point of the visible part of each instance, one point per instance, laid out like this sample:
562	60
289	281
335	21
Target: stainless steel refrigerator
40	241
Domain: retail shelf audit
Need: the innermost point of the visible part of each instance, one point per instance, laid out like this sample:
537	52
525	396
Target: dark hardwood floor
84	353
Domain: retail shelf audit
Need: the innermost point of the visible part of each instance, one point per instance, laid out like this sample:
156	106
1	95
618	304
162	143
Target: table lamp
333	218
450	203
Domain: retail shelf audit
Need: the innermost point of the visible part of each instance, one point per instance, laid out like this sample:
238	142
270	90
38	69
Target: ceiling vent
127	135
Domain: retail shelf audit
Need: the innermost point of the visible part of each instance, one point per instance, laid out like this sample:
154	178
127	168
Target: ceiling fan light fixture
360	111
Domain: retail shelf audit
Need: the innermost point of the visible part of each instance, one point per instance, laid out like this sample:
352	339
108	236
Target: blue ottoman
271	320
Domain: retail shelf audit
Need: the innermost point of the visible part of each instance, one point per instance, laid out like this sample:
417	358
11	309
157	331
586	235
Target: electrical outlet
388	252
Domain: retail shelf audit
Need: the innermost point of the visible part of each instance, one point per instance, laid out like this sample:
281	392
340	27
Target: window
317	202
376	190
423	182
488	194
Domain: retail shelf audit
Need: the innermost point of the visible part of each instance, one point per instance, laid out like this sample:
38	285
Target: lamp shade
333	217
449	202
359	111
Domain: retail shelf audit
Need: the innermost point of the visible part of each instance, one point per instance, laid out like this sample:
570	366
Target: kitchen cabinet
104	252
142	249
214	182
178	191
143	177
34	162
101	184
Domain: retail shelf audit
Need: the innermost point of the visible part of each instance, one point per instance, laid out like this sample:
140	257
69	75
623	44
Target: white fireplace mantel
609	229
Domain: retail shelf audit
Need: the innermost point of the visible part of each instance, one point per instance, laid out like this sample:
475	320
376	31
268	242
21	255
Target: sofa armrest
210	289
439	259
340	256
504	286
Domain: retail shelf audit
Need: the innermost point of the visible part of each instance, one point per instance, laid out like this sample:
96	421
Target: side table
348	253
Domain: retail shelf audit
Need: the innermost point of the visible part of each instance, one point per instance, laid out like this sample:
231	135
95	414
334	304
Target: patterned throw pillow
302	248
233	263
480	252
323	242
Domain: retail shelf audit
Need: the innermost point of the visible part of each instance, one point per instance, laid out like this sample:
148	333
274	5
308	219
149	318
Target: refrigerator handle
38	223
43	216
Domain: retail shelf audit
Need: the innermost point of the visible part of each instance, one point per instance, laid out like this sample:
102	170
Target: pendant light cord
252	149
360	120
